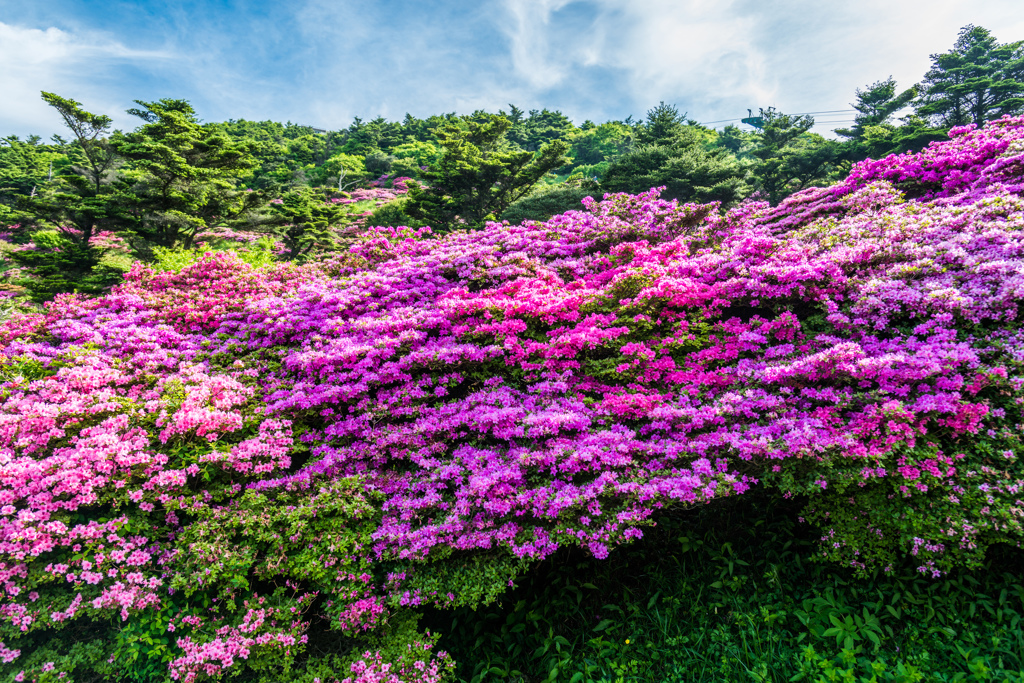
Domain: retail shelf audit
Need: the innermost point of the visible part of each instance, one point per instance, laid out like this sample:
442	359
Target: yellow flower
627	641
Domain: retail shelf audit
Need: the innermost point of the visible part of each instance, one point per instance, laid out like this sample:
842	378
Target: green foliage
90	132
662	126
875	106
734	594
379	163
422	153
286	154
599	144
394	215
978	80
689	167
547	202
173	259
540	128
284	538
341	171
478	175
789	158
735	140
363	138
28	164
53	265
83	198
304	218
593	172
186	175
884	139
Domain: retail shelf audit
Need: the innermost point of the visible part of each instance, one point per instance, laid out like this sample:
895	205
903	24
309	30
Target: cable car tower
755	121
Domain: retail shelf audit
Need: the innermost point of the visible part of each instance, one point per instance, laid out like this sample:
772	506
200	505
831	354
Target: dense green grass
734	594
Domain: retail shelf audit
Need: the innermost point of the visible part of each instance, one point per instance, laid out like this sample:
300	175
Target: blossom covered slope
232	467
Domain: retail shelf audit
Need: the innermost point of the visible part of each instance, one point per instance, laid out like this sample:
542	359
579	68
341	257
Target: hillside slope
207	470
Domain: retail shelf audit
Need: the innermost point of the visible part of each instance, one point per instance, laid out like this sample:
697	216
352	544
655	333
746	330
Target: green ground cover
735	593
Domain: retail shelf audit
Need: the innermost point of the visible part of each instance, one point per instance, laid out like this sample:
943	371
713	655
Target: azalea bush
271	471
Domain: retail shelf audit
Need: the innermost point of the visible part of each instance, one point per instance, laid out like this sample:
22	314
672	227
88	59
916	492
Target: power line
803	113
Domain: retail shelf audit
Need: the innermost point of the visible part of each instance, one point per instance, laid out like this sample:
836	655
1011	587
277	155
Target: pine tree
790	158
83	198
186	176
686	163
977	81
875	105
303	218
479	174
662	125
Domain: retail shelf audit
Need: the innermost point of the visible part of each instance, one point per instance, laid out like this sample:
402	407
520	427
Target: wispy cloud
389	58
76	66
535	56
323	62
691	52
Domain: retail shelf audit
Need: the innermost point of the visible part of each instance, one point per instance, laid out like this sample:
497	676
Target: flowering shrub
214	468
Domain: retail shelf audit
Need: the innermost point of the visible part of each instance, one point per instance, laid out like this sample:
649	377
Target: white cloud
33	60
690	52
530	33
367	59
693	50
323	62
715	58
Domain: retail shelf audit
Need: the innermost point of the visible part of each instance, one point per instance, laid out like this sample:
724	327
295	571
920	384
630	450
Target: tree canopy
978	80
174	181
479	174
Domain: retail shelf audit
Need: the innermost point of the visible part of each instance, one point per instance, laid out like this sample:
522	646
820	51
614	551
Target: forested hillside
82	207
282	404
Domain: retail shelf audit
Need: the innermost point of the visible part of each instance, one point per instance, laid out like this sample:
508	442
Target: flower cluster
341	429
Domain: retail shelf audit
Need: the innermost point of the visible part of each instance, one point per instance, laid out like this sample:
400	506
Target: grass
735	594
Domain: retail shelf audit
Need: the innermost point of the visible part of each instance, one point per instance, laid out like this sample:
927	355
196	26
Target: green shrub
739	595
174	259
549	201
393	215
56	265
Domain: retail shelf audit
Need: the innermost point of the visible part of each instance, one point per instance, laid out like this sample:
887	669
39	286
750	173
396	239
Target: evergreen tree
789	158
688	164
372	136
875	105
478	174
594	144
82	198
302	218
61	215
734	139
26	166
547	200
57	265
186	176
536	130
662	125
977	81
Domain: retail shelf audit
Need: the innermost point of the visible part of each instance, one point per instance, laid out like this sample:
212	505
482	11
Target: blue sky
322	62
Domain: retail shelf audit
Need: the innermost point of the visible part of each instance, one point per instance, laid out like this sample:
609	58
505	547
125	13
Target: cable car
755	121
